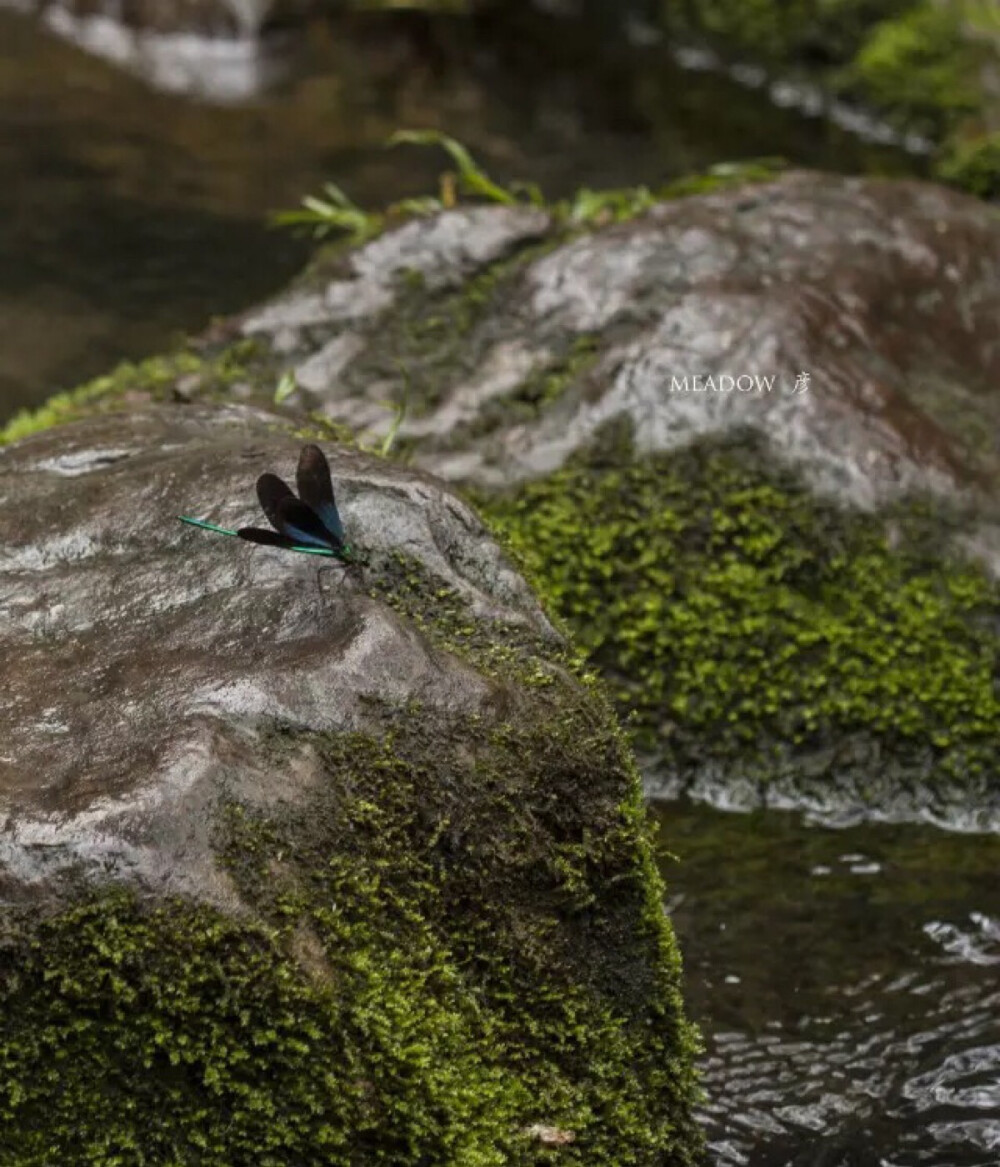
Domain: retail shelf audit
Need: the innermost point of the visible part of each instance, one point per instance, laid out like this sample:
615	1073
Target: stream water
846	981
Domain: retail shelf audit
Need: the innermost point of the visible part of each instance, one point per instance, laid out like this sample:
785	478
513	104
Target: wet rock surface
698	318
139	654
827	345
278	860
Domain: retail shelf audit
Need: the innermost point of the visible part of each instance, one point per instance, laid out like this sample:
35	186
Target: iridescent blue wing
304	526
312	477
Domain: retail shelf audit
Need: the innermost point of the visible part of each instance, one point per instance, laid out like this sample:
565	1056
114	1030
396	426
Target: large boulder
514	341
746	443
301	871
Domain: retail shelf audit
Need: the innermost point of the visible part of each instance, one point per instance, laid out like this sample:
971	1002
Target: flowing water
129	217
847	983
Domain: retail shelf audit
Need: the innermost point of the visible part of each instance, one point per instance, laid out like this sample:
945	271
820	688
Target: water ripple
847	993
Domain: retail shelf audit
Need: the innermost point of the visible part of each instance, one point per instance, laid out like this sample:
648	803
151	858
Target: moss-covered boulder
308	874
745	444
775	647
929	70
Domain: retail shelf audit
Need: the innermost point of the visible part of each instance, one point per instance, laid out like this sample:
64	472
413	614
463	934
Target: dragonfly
309	523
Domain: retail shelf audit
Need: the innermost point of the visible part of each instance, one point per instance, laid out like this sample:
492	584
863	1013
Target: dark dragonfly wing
276	539
271	492
312	477
268	538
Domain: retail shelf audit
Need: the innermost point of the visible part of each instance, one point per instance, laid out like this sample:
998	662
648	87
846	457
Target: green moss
460	936
920	70
510	654
148	377
923	65
546	386
63	407
133	1035
743	620
800	31
488	850
185	374
973	164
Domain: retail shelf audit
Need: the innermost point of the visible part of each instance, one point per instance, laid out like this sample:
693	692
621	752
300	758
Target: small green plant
286	386
596	206
724	175
469	178
400	409
335	212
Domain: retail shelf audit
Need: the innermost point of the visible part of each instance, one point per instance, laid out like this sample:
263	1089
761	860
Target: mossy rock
927	69
920	70
753	630
505	334
425	981
309	876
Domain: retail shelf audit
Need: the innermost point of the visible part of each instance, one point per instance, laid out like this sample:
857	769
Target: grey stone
140	657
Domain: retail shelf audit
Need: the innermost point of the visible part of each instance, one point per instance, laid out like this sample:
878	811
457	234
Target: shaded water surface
128	217
847	983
